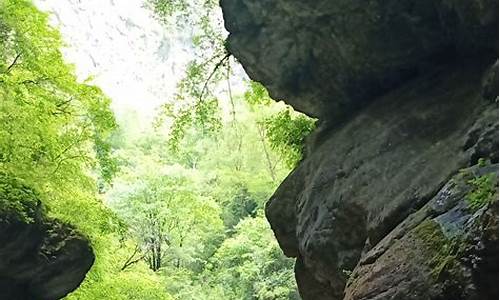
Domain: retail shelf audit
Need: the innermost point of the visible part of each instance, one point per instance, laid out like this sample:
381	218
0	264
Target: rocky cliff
40	258
396	197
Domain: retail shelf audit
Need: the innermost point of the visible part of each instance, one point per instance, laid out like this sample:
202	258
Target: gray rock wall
327	57
407	96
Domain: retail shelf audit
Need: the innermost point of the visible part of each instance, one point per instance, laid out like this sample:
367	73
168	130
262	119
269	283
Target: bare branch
61	108
216	67
65	103
14	62
130	261
60	162
34	81
229	90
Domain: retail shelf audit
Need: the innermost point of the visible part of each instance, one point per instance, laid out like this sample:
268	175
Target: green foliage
55	139
194	104
286	132
135	285
240	206
185	222
250	265
257	94
285	129
108	281
172	220
240	163
204	116
17	201
50	120
483	189
207	194
183	13
165	9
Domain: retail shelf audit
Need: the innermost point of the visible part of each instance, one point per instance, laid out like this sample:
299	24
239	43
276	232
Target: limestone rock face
407	96
40	258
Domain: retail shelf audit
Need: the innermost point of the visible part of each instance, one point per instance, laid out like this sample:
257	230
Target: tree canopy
172	213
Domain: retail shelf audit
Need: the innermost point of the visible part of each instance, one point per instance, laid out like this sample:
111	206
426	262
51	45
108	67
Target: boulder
362	179
40	258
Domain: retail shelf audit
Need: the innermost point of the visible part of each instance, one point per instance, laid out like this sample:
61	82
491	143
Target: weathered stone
407	95
443	251
327	58
40	258
310	287
362	179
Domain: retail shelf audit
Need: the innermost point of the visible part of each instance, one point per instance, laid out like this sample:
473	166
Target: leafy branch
216	67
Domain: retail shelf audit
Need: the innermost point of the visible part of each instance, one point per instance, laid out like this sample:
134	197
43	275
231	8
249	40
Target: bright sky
132	57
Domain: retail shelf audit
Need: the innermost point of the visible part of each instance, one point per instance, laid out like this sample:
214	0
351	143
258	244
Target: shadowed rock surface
40	258
407	96
327	57
445	250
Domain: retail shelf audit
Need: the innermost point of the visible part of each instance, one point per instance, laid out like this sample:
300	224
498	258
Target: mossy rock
484	190
40	258
445	251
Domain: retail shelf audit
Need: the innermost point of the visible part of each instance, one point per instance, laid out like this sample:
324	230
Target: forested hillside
174	212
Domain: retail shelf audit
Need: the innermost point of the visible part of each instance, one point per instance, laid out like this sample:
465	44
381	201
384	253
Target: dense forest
175	212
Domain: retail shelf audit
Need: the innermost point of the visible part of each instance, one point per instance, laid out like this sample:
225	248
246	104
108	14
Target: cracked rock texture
406	93
40	258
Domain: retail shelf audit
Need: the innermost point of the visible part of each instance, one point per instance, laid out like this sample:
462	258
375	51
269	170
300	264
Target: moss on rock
483	190
437	247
